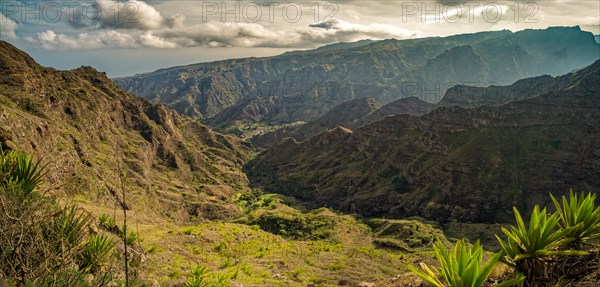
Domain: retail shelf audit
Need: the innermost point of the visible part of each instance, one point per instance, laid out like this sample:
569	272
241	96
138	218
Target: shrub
294	225
70	227
220	281
18	168
132	236
107	222
152	249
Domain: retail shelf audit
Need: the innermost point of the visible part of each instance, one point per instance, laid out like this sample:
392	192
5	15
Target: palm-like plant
461	268
527	246
94	252
72	225
19	168
579	215
198	275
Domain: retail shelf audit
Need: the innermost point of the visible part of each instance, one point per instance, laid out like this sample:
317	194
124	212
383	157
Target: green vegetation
271	215
270	243
17	169
198	277
580	216
97	248
527	248
408	235
56	251
107	223
460	268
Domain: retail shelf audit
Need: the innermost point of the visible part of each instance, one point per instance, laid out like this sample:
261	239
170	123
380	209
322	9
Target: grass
250	255
247	253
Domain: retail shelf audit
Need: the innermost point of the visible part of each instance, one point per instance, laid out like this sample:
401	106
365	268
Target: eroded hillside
89	132
470	165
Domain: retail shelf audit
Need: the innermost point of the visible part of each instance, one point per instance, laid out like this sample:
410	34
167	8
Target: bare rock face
89	132
470	165
304	85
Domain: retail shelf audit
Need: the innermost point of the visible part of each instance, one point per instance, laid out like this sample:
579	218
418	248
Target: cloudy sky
125	37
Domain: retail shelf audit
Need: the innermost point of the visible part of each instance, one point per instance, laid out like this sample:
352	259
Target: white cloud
151	25
47	37
219	34
8	28
50	40
377	31
149	40
150	28
131	14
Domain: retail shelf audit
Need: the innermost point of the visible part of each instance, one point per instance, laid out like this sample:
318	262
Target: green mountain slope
188	200
89	131
343	115
470	165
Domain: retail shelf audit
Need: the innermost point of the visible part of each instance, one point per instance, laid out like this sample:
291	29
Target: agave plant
18	168
579	215
526	247
94	252
132	236
461	268
72	225
198	277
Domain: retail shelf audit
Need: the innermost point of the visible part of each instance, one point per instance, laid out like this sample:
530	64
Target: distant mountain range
453	163
89	131
358	112
303	85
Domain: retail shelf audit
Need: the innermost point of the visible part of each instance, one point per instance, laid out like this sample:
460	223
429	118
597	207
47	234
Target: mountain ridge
453	163
302	87
351	114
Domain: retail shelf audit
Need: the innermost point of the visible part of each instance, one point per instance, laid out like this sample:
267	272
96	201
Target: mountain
346	114
470	97
406	106
184	191
88	131
470	165
342	115
350	114
301	86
